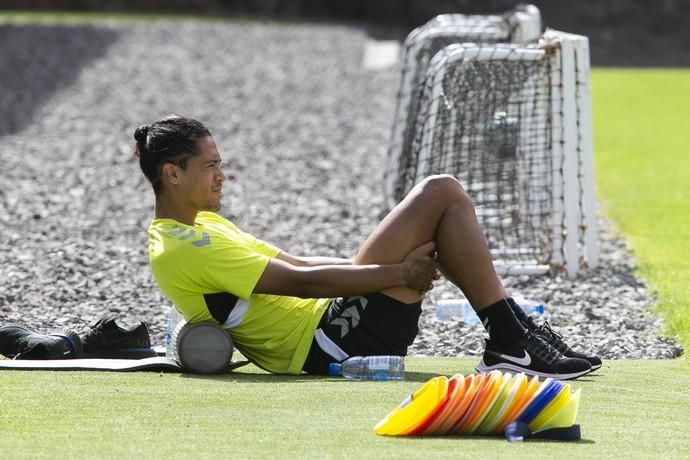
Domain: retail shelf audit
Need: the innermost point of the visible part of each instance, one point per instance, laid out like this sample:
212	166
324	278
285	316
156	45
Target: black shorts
372	324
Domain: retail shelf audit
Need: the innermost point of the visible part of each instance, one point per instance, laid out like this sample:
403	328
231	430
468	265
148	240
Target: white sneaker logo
524	361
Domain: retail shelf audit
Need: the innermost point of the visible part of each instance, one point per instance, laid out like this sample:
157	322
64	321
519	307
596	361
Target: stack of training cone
485	404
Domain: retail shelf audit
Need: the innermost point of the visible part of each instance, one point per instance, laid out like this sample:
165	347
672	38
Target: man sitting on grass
289	314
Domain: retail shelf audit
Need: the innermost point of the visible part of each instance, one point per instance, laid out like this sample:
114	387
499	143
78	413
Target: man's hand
420	269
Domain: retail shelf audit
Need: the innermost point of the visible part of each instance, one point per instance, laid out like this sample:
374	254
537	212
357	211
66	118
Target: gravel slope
303	129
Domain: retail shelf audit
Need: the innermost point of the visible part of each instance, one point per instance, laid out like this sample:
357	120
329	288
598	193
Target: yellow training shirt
209	270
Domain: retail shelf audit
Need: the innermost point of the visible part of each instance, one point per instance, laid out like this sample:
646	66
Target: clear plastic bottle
530	306
460	309
370	368
174	319
456	310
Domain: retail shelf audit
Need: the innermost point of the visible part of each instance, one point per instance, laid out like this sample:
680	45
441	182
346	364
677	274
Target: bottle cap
335	369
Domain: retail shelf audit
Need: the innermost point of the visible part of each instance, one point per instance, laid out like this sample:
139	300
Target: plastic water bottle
370	368
530	306
461	309
456	310
174	319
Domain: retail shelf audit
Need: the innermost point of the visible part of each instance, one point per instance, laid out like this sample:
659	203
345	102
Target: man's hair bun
140	134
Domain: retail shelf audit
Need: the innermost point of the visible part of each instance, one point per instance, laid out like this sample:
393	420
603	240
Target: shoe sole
593	366
505	367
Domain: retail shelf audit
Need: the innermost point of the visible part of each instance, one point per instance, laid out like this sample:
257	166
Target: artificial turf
629	409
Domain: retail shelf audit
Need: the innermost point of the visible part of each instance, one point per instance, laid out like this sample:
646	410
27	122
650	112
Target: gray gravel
303	128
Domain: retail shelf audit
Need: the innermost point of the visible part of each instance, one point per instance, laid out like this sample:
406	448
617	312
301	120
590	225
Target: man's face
201	182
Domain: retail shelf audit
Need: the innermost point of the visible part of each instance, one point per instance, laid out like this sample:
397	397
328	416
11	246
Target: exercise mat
157	363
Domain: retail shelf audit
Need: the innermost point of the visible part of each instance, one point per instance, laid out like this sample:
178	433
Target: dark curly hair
172	139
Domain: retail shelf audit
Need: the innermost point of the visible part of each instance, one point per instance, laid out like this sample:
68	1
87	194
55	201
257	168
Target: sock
500	322
519	313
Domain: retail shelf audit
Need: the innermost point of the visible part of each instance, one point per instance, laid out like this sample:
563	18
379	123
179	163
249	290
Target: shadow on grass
493	439
257	376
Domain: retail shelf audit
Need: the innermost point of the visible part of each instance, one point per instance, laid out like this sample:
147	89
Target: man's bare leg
437	209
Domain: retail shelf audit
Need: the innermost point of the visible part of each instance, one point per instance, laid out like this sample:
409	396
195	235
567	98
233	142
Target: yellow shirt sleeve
261	246
235	267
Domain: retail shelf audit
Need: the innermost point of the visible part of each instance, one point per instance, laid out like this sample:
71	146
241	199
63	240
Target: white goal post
570	61
513	124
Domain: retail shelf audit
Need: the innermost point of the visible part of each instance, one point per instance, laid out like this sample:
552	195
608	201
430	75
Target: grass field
630	409
642	146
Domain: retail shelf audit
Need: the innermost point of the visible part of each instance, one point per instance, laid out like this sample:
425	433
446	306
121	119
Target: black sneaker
105	339
556	340
19	342
533	356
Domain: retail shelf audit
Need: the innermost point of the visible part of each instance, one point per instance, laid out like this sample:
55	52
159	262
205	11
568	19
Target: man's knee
443	188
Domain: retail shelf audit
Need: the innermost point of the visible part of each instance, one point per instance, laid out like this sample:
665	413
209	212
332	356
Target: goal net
521	25
513	124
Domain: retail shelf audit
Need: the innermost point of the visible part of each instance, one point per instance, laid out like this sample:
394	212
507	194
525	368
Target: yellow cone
415	409
563	417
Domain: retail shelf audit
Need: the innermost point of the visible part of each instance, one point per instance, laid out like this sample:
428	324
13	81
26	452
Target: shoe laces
95	330
543	350
553	337
546	327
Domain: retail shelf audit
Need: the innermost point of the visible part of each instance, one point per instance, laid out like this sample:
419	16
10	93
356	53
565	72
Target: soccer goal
521	25
513	124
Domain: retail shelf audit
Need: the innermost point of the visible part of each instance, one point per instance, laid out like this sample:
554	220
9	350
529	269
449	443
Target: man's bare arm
417	271
311	261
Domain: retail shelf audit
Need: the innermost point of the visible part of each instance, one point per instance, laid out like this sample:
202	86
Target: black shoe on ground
105	339
19	342
533	356
556	340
